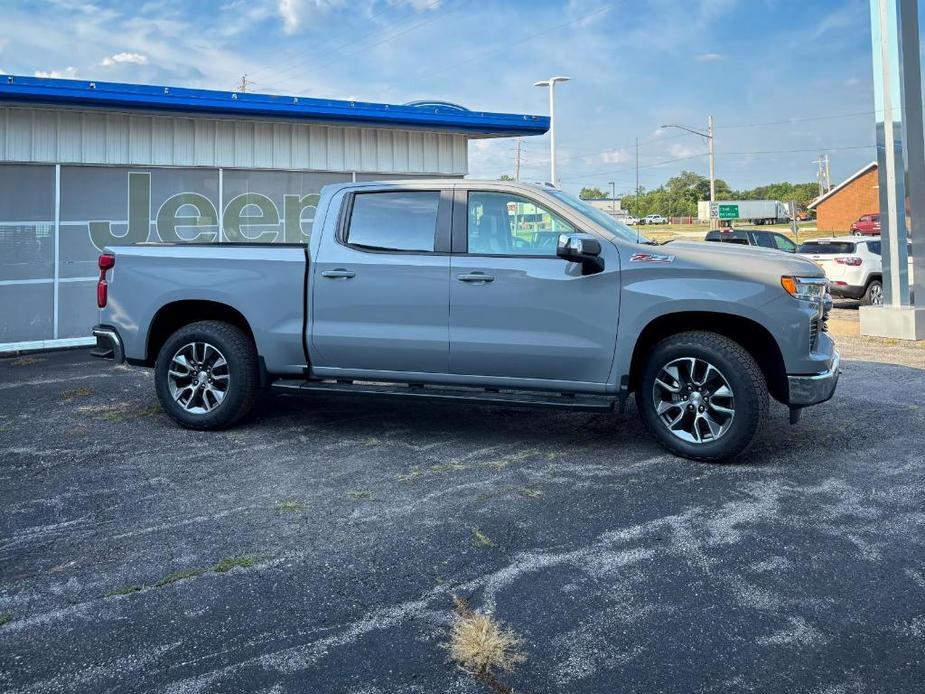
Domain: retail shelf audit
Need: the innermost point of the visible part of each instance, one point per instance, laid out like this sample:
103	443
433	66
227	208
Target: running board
481	396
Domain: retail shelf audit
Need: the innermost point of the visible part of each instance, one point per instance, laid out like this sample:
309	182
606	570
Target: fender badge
651	258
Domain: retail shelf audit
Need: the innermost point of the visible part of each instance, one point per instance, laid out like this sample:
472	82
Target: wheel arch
173	316
754	337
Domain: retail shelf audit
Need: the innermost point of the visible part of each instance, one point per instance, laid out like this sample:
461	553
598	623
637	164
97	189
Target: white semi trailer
753	211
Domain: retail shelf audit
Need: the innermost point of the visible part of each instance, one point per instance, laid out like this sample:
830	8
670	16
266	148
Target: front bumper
815	388
108	344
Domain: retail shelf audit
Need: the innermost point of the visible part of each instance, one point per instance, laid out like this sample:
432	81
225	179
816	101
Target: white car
852	265
654	219
630	220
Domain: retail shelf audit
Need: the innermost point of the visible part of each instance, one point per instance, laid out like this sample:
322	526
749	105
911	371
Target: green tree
506	177
591	194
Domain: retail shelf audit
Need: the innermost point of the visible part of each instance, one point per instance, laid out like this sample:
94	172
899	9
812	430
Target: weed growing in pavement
27	361
289	506
482	646
81	392
5	618
181	575
481	539
123	590
229	564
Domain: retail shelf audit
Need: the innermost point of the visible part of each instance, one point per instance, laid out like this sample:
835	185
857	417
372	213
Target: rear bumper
815	388
846	291
108	344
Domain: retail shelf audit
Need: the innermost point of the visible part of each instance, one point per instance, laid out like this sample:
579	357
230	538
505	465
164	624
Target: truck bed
264	282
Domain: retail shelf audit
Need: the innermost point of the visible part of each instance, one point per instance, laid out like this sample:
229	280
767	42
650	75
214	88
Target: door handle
476	277
339	274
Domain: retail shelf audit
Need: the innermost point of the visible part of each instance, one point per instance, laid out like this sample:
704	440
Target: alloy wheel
694	400
198	377
876	295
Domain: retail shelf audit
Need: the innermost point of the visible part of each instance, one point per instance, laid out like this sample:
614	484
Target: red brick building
856	195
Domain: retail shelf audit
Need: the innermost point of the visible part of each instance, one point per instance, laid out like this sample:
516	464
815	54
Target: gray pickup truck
490	292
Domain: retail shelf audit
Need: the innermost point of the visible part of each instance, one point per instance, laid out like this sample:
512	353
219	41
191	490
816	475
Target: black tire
744	377
873	295
857	233
240	353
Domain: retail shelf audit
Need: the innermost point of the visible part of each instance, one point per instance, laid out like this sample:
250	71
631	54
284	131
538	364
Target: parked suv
752	237
853	267
866	225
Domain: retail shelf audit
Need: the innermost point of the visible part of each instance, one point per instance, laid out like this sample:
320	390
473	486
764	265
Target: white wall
71	136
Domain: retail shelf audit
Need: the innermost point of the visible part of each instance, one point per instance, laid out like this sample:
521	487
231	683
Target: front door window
506	224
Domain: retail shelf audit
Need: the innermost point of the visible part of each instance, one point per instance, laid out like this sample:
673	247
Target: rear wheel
857	232
702	396
206	375
873	296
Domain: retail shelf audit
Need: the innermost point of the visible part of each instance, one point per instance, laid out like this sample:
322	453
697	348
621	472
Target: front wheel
857	232
702	396
206	375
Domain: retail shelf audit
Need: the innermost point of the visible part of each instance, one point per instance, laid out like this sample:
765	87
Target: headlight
805	288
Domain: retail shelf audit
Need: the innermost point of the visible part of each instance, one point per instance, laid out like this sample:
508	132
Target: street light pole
551	84
613	198
709	135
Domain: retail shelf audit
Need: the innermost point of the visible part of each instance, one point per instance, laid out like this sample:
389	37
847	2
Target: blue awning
116	95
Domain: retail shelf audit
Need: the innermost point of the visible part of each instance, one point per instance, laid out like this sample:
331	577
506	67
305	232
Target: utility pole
613	198
709	135
636	195
243	86
712	167
828	180
517	161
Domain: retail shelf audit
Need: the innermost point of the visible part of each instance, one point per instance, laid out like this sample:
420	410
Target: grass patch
360	494
232	563
150	411
289	506
177	576
27	361
123	590
82	392
483	646
530	492
5	618
481	539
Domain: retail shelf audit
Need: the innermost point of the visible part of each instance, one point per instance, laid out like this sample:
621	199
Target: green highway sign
728	212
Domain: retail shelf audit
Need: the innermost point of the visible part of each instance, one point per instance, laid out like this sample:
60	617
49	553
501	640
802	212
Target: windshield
616	228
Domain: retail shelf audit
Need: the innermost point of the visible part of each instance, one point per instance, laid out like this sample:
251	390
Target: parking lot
317	547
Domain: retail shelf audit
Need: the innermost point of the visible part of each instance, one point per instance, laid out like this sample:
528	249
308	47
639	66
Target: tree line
679	195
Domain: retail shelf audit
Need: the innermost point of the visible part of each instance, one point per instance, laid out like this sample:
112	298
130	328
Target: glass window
782	243
618	229
874	247
764	240
828	247
506	224
400	221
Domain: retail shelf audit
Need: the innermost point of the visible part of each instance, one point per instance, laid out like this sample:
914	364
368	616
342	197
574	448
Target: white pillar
901	168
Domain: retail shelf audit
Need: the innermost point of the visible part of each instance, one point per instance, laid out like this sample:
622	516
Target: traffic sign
728	211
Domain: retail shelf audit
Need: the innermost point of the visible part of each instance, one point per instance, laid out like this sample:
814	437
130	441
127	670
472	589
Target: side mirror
581	248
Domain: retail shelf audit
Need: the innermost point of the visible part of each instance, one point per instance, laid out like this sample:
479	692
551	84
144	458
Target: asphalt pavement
316	547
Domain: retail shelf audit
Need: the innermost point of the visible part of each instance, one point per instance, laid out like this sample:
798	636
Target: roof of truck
428	115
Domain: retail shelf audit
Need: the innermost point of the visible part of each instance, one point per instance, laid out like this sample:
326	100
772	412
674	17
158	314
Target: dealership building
88	164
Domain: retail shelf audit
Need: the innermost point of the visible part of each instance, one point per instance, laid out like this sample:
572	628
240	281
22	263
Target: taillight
851	260
106	262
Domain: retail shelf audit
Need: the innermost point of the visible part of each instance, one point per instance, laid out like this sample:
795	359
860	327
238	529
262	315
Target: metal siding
139	139
205	142
243	144
162	141
263	146
68	138
45	137
116	139
184	142
89	137
224	143
93	137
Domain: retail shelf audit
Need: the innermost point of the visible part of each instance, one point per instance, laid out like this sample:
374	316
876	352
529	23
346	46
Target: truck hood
740	259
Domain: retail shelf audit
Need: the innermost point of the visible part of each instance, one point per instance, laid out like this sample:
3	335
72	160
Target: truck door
380	288
516	309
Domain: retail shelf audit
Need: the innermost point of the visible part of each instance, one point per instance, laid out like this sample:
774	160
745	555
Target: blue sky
784	79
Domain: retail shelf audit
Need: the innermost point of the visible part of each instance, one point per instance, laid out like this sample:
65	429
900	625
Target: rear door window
828	247
874	247
394	221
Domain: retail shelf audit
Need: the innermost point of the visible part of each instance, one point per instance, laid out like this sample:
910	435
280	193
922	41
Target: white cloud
615	156
710	57
69	72
294	13
681	150
119	58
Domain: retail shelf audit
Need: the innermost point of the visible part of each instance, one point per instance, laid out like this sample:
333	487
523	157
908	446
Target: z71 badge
651	258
